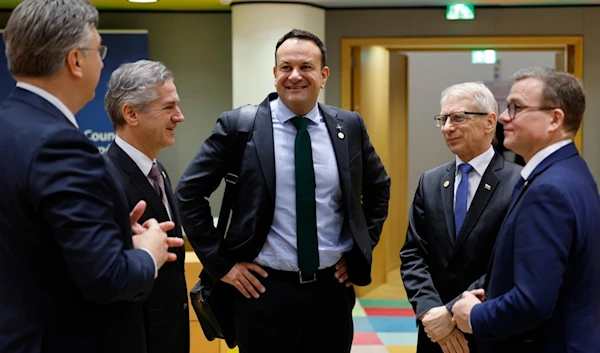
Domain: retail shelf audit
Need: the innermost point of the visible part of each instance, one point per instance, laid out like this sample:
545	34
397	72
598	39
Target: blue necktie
462	196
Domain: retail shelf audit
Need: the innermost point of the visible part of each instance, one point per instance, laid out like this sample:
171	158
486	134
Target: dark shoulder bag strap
243	134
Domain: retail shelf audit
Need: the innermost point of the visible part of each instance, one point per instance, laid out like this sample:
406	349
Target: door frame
572	46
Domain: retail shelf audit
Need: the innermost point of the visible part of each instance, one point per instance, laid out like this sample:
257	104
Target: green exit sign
460	12
483	57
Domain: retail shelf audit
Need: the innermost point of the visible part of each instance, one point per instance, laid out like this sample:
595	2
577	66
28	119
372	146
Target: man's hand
437	323
455	342
155	240
462	311
135	216
241	278
341	272
479	293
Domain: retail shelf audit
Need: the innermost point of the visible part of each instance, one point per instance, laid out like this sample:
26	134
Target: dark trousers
296	318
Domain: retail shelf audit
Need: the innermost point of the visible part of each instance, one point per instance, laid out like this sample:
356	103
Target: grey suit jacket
437	266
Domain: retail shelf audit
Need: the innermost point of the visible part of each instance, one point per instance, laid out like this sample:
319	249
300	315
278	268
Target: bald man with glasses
456	213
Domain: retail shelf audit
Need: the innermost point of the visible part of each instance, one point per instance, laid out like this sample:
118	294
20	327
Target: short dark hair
306	35
561	90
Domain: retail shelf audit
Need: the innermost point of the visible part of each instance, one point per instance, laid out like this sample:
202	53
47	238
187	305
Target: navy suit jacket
70	280
543	290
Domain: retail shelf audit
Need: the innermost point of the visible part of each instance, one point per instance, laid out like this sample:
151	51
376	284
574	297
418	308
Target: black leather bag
212	299
212	303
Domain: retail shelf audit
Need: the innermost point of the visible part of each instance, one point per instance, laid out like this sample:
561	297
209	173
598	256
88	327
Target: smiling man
143	105
313	197
542	289
455	216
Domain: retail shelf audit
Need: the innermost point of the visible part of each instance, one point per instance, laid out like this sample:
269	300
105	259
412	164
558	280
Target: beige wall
488	22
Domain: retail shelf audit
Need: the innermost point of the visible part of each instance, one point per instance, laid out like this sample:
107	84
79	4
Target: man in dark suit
70	278
542	289
313	196
143	105
455	216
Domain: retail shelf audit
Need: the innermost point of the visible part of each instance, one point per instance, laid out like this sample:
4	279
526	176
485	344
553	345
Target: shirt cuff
156	266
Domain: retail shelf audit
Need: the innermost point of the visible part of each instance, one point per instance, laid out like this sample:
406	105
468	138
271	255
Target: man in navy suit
70	278
542	292
313	197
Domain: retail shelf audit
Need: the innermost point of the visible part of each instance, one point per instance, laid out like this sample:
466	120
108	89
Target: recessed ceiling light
143	1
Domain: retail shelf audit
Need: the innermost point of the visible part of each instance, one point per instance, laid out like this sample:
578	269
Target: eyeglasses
513	108
456	118
102	50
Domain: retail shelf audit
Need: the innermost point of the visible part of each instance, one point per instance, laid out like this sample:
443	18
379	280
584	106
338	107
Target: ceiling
218	5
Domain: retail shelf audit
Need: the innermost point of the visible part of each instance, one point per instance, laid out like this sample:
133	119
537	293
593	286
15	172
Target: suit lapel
139	181
485	190
263	141
340	148
563	153
447	191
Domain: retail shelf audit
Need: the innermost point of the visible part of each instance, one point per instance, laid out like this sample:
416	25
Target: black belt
298	277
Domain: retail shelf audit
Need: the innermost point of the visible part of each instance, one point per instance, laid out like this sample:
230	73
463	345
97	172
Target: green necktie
306	208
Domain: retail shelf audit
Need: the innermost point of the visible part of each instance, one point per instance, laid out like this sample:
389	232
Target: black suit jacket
364	183
166	310
70	280
436	265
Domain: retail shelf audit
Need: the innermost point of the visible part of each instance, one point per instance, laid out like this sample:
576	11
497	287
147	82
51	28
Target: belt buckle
303	281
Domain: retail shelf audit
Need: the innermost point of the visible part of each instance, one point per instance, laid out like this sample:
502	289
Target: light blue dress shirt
280	250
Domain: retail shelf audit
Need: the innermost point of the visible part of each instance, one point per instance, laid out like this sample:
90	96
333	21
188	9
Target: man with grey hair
456	213
542	292
72	272
143	105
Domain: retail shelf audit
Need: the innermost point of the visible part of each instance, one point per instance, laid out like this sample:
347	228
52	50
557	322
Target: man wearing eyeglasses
456	213
542	287
73	275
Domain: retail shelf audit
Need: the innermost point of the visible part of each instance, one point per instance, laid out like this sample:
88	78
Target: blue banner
92	119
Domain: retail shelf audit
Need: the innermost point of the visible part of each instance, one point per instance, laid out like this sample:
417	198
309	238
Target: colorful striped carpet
384	326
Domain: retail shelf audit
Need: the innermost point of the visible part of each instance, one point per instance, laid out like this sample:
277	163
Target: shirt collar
479	163
540	156
51	99
140	159
284	114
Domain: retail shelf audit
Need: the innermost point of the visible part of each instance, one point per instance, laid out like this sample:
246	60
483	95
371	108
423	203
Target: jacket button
185	306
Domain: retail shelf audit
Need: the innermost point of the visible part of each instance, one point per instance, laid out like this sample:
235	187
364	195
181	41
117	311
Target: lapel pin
446	183
340	133
164	175
488	187
526	182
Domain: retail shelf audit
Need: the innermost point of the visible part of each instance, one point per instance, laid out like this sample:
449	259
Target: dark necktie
462	196
157	180
517	190
306	208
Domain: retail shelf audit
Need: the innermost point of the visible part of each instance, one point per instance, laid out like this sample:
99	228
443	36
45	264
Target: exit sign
483	57
460	12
